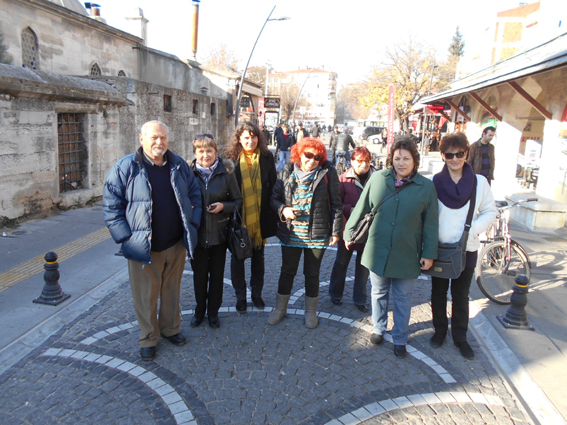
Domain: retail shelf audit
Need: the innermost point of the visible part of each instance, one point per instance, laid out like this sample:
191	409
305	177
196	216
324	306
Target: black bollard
516	317
52	293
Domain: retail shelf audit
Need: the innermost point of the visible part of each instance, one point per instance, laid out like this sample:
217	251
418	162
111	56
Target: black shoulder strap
388	196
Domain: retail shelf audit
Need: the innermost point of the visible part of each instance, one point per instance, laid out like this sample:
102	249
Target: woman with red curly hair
307	199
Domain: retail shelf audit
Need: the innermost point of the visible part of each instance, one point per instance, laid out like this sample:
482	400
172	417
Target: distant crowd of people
162	209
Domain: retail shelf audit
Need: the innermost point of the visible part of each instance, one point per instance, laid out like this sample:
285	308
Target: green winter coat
405	229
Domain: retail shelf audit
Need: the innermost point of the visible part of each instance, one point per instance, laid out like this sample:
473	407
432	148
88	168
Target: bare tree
288	94
221	57
408	67
257	74
349	105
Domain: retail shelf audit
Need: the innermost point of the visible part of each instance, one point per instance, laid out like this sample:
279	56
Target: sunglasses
199	136
362	161
310	155
449	155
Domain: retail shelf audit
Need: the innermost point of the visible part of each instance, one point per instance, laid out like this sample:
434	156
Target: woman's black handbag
360	233
452	257
239	242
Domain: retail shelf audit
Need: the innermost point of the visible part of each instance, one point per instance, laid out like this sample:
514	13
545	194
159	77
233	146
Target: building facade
75	96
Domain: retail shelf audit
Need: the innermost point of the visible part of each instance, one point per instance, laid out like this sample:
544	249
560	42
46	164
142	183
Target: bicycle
502	258
341	163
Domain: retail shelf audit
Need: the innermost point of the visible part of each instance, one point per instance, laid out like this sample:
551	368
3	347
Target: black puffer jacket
221	187
326	216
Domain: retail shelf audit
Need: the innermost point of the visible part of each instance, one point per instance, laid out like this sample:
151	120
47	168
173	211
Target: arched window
95	70
30	51
121	73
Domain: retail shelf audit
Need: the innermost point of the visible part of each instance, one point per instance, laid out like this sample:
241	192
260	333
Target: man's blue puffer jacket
128	204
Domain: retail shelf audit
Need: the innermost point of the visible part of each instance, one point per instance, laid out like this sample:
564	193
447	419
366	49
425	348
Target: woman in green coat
402	239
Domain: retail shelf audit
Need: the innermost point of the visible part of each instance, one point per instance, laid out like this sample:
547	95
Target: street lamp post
248	63
424	118
299	94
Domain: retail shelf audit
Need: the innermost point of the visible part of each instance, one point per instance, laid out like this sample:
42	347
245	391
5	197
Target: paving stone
246	371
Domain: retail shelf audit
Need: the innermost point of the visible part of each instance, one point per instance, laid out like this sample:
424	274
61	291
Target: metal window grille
72	151
30	54
95	70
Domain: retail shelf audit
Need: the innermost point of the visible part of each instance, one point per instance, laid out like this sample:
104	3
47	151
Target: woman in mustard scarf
255	171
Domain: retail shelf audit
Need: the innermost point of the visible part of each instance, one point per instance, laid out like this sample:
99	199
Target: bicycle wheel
496	273
341	168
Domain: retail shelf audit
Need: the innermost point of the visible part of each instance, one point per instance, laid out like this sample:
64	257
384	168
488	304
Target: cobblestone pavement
249	372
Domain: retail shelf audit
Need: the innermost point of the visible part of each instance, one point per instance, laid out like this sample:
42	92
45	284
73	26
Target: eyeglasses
199	136
362	161
310	155
449	155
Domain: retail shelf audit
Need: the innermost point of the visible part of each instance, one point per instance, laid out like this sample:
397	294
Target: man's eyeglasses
199	136
449	155
310	155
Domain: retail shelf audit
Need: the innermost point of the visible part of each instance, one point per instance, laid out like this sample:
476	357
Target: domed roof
73	5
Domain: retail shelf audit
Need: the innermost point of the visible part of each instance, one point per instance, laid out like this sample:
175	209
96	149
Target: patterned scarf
252	194
302	198
206	173
403	180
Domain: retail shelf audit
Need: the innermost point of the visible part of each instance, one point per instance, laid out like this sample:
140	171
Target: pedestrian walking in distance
152	206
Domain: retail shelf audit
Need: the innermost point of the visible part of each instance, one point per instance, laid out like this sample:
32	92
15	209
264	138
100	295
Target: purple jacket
351	188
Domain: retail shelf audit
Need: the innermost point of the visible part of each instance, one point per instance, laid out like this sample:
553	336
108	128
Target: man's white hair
144	127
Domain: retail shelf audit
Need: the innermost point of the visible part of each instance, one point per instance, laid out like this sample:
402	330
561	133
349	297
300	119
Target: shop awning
544	57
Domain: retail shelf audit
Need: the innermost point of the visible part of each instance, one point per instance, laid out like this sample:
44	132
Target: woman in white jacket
455	185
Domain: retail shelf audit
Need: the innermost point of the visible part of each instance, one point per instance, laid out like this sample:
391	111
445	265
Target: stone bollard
52	293
516	317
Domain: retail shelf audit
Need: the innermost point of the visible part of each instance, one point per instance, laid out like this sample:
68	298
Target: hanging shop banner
391	117
272	102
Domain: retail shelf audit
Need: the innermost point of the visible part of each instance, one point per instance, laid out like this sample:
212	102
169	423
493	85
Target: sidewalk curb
540	407
32	339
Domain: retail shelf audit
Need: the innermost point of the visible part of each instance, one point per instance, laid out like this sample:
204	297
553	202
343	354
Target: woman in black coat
221	195
307	200
255	172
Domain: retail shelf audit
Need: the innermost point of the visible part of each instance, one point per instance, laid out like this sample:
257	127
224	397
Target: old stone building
75	96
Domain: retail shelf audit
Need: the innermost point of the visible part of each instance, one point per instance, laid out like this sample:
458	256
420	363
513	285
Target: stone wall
69	43
115	109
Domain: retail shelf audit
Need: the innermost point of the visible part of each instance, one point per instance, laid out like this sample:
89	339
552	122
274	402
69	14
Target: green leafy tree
457	46
5	57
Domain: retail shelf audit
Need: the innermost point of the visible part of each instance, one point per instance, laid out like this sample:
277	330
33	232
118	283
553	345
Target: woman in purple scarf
455	185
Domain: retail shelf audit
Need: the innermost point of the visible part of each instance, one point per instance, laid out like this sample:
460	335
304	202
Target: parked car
370	131
375	139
